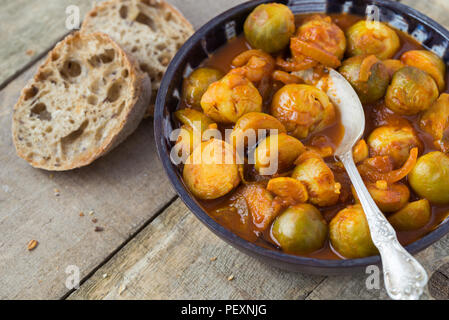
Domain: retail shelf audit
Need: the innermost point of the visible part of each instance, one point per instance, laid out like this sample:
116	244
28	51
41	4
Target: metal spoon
404	277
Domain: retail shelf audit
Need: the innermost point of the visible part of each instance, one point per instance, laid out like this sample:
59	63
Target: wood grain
171	259
29	28
125	189
435	9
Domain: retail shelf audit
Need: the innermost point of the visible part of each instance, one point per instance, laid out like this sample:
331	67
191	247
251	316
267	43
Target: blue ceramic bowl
215	34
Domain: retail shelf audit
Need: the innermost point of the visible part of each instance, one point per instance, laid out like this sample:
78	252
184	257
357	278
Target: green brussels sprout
411	91
350	235
300	229
430	177
375	87
389	198
195	85
269	27
428	62
413	216
372	37
395	142
302	109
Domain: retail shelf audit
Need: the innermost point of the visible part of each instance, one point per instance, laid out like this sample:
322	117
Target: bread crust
89	24
134	111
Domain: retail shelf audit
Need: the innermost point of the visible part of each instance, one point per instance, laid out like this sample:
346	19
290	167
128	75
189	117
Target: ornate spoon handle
404	277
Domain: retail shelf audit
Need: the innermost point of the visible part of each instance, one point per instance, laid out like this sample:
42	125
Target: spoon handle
404	277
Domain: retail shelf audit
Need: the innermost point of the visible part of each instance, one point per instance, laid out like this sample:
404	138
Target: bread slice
84	100
150	30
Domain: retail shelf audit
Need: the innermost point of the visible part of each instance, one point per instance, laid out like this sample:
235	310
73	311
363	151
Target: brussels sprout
269	27
371	37
261	205
350	235
411	91
231	97
430	177
376	85
302	109
208	173
435	121
413	216
428	62
318	178
194	119
389	197
288	188
288	147
300	229
195	85
323	33
395	142
249	124
186	142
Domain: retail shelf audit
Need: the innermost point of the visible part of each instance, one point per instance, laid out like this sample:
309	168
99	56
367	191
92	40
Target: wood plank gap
31	63
121	246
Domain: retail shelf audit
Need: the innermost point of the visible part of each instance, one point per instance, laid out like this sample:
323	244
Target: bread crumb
231	277
105	275
91	212
81	214
30	52
213	258
94	220
57	193
32	245
98	229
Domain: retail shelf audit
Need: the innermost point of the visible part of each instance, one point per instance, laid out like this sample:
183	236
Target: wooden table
152	247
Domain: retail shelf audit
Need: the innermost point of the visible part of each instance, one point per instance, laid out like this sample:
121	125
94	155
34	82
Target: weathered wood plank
435	9
28	28
171	259
125	189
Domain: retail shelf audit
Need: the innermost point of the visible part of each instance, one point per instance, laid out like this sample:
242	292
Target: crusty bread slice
84	100
151	30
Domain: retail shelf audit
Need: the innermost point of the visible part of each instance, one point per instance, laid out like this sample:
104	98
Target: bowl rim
202	215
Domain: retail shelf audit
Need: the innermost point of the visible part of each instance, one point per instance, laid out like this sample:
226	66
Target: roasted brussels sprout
389	197
211	171
372	37
197	83
231	97
371	87
300	229
435	121
247	127
413	216
350	235
322	33
288	147
430	177
302	109
428	62
393	65
288	188
393	141
411	91
318	178
269	27
261	204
